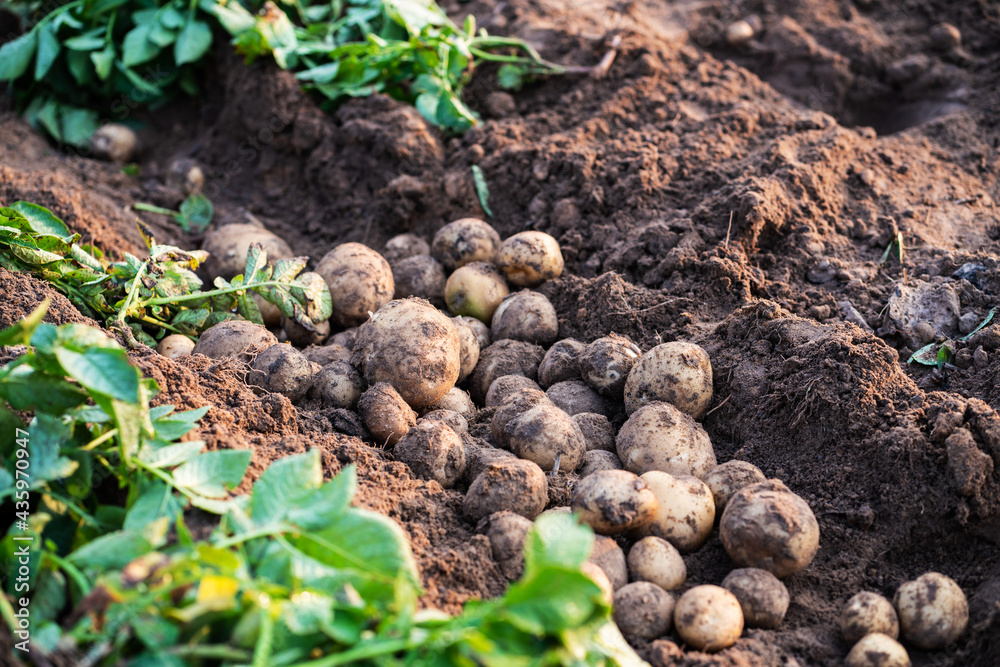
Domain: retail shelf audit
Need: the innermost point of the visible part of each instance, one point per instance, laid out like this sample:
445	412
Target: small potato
597	432
174	346
385	413
227	248
527	316
661	437
481	330
606	363
643	610
561	362
933	611
420	275
479	456
685	512
763	598
452	419
185	175
727	478
599	577
325	355
404	245
613	501
475	290
455	399
597	460
465	241
504	357
515	485
514	406
658	561
867	613
337	385
546	435
469	347
769	527
575	397
709	618
739	33
360	282
234	338
433	451
304	335
506	385
115	142
530	258
282	369
345	338
677	373
609	557
507	533
877	650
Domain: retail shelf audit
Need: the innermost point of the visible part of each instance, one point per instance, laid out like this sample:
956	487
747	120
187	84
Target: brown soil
738	197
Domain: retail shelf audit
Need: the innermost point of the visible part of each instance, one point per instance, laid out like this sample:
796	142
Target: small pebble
739	33
968	322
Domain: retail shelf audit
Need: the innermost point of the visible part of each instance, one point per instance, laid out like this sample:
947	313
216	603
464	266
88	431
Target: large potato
561	362
360	282
709	618
465	241
676	373
175	346
420	275
505	386
867	613
469	347
763	598
877	650
514	485
455	399
613	501
933	611
282	369
433	451
404	245
527	316
546	435
609	557
507	533
654	559
227	248
513	406
576	397
597	432
337	385
530	258
598	459
661	437
240	339
685	512
727	478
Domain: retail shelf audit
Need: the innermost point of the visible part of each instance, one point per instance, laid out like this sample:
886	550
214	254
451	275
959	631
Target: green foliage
195	214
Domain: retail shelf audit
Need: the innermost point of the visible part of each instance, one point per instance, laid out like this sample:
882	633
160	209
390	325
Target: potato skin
546	435
597	432
454	399
282	369
661	437
174	346
345	338
327	354
404	245
385	413
475	290
360	282
477	327
575	397
763	598
643	611
302	335
530	258
507	533
527	316
561	362
227	248
515	485
465	241
450	418
727	478
421	276
709	618
433	451
598	459
658	561
677	373
685	512
933	611
613	501
877	650
504	357
115	142
513	406
867	613
468	347
506	385
609	557
337	385
606	363
234	338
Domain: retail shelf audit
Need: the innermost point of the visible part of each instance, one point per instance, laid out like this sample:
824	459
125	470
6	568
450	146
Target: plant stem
246	537
218	652
150	208
74	573
159	301
363	652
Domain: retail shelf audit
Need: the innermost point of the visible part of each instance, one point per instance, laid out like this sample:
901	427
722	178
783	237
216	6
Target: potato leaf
210	474
15	56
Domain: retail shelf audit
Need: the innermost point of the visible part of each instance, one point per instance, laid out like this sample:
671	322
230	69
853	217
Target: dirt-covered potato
546	435
412	346
227	248
345	338
174	346
661	437
763	598
385	414
658	561
769	527
609	557
404	245
727	478
613	501
599	577
527	316
933	611
530	258
504	357
561	362
234	338
454	399
479	455
115	142
677	373
877	650
481	331
360	282
185	176
513	406
475	290
506	385
867	613
465	241
327	354
515	485
597	460
708	618
452	419
433	451
597	432
507	532
420	275
338	385
468	348
685	512
576	397
643	611
304	335
282	369
606	363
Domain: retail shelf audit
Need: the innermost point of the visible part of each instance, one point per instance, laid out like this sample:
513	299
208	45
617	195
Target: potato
575	397
337	385
477	327
739	33
685	511
433	451
877	650
676	373
933	611
420	275
463	242
304	335
475	290
404	245
174	346
234	338
546	435
727	478
479	456
450	418
658	561
613	501
599	577
115	142
527	316
516	485
597	432
227	248
708	618
507	533
345	338
643	611
454	399
769	527
385	414
561	362
281	369
360	282
506	385
504	357
597	460
412	346
530	258
515	404
185	176
606	363
325	355
609	557
270	314
661	437
763	598
865	614
468	348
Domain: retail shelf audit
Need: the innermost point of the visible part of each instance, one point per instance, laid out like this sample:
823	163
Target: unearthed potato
270	314
337	385
613	501
676	373
481	331
360	282
404	245
420	275
304	335
643	610
504	357
609	557
561	362
506	385
114	142
234	338
661	437
546	435
185	175
452	419
606	363
685	512
575	397
174	346
865	614
763	598
468	348
412	346
654	559
325	355
933	611
433	451
877	650
727	478
479	456
527	316
515	404
599	577
282	369
768	526
455	399
597	432
346	338
385	413
227	248
507	532
597	460
515	485
530	258
475	290
708	618
465	241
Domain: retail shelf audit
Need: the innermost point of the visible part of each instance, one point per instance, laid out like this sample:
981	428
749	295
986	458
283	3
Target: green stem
132	293
74	573
150	208
52	15
99	440
246	537
159	301
364	652
262	651
161	475
217	652
83	514
158	323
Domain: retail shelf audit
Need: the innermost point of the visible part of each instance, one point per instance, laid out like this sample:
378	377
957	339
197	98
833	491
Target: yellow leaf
217	593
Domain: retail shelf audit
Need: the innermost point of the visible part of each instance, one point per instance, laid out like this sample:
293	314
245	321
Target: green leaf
210	473
103	370
45	435
510	77
78	125
48	50
28	389
112	551
137	49
156	502
173	426
198	211
21	331
103	61
482	189
15	56
989	318
325	504
171	455
927	355
88	41
256	262
171	18
161	35
557	540
322	74
283	485
193	42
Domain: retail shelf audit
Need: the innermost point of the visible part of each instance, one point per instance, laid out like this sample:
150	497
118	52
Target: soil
745	198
